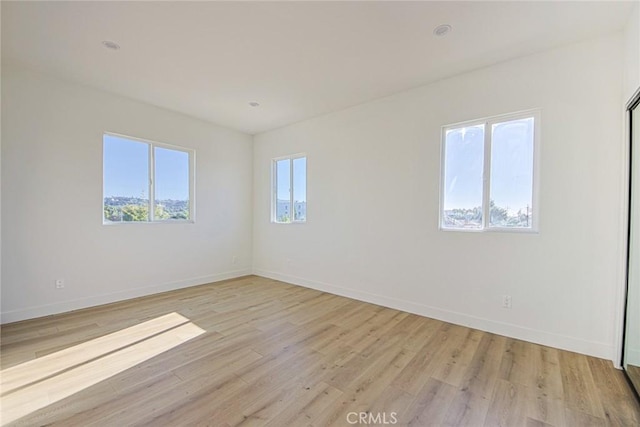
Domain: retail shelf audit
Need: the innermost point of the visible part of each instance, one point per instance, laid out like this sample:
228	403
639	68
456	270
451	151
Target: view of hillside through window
128	181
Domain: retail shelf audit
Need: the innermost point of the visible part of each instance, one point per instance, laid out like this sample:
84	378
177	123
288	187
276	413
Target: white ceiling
297	59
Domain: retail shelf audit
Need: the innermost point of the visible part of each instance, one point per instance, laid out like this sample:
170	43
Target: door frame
634	102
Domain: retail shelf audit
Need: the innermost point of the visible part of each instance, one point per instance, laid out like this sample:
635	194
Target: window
489	174
289	195
145	181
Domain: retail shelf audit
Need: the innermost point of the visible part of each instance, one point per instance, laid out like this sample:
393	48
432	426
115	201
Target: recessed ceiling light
111	45
442	30
254	104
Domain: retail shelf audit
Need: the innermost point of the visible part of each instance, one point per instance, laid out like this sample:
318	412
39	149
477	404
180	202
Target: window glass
463	168
300	189
171	184
133	191
488	172
289	194
283	195
511	192
126	180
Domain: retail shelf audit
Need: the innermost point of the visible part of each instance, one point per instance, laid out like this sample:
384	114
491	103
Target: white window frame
486	173
152	202
274	188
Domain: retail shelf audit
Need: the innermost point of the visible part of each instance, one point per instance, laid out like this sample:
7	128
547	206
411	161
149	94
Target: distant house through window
145	181
489	173
289	193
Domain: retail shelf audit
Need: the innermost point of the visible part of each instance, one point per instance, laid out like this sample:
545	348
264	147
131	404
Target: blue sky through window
283	177
126	170
300	179
511	165
464	162
172	174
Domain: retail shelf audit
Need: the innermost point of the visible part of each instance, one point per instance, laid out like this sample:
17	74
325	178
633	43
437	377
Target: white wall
52	201
373	186
632	54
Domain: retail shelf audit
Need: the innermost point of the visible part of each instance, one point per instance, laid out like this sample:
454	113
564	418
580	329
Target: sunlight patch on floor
35	384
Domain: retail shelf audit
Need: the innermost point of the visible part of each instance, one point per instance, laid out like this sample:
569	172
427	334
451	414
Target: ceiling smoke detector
442	30
111	45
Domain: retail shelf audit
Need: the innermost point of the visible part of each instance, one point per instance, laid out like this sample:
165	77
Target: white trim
274	190
92	301
192	186
442	183
537	147
591	348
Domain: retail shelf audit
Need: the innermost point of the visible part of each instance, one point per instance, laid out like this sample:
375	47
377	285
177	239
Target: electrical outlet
506	301
59	283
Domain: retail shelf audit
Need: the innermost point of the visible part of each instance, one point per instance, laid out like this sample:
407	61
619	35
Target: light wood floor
254	351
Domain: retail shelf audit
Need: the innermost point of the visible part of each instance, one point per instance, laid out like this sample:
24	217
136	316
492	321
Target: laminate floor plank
253	351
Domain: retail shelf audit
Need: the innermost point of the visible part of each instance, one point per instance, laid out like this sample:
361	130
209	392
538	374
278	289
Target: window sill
492	230
181	221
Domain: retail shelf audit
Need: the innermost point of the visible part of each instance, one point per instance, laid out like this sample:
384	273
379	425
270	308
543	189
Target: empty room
320	213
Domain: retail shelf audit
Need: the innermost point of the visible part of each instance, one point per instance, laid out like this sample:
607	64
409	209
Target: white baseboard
596	349
61	307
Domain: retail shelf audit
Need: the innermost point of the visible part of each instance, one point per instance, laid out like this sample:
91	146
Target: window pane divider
486	177
152	192
291	219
